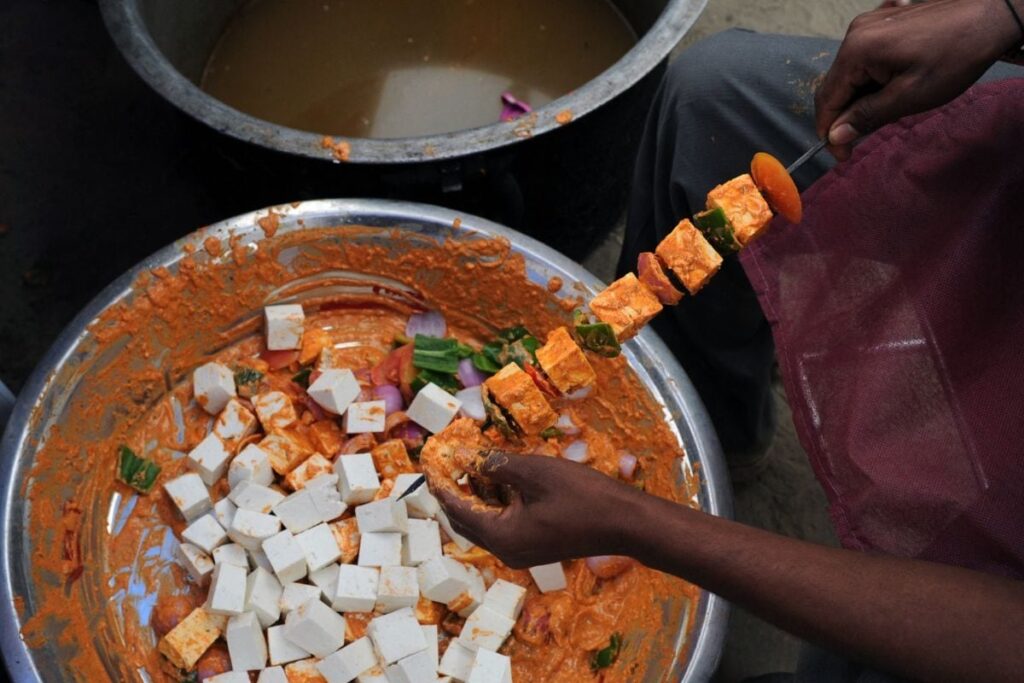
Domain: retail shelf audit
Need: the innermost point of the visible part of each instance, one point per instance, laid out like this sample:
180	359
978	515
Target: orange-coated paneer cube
311	468
690	256
627	305
193	636
391	459
744	206
347	536
564	362
513	390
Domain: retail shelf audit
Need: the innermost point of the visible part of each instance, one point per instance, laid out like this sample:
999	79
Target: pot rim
707	639
128	30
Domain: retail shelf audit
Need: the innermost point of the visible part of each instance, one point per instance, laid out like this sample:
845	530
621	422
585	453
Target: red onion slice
392	397
429	324
627	466
469	375
566	425
472	403
579	394
577	451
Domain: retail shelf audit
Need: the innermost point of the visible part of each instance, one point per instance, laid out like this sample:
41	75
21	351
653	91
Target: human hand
559	510
897	61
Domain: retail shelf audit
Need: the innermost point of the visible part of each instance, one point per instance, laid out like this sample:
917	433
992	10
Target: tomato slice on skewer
777	186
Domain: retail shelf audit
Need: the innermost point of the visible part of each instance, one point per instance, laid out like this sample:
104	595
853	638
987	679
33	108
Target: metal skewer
413	486
806	156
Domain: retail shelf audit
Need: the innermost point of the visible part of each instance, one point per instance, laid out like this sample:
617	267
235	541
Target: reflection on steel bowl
84	559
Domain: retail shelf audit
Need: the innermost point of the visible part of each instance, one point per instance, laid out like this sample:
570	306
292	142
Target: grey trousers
727	97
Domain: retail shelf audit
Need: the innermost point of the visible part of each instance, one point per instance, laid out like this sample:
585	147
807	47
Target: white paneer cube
232	553
256	497
398	588
205	533
316	627
490	667
252	464
295	594
213	385
246	645
209	459
227	590
272	674
298	511
189	495
420	504
357	478
319	546
326	497
326	580
485	629
366	417
230	677
335	390
462	542
396	635
421	543
249	529
197	563
356	588
457	661
275	410
430	634
386	514
282	650
380	549
416	668
433	408
262	596
258	558
286	557
374	675
284	326
224	510
505	598
348	662
234	423
549	577
443	579
467	602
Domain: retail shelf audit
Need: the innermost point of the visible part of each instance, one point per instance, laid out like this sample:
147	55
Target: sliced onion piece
627	466
429	324
566	425
579	394
608	566
392	397
577	451
469	375
472	403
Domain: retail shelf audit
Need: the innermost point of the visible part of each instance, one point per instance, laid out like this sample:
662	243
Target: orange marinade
467	280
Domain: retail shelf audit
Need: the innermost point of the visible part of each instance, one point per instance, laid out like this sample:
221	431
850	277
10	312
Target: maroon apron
897	308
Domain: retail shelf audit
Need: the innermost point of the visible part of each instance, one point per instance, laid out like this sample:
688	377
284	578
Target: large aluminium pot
555	182
76	360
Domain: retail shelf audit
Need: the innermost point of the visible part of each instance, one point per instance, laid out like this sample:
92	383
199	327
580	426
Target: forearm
918	619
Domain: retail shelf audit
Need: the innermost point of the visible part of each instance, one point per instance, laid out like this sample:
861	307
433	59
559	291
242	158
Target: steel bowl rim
703	659
128	30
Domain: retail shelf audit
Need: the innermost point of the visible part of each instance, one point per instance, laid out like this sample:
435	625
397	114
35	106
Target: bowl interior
75	380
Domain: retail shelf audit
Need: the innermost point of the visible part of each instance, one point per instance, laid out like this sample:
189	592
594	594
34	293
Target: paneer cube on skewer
627	305
690	256
744	206
517	394
564	363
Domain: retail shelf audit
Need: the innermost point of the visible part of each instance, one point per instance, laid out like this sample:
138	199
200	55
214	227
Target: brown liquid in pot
405	68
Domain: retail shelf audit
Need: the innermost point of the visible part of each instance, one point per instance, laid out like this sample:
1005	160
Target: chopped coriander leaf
247	376
484	363
465	351
551	433
139	473
606	657
438	355
444	380
599	338
302	377
513	334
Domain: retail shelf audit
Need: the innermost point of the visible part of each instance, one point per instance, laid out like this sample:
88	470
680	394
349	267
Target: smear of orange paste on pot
92	593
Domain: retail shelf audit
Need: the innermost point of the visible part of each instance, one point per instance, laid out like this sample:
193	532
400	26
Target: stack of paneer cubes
314	569
736	214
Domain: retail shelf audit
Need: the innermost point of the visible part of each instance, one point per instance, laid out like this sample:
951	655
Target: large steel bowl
75	359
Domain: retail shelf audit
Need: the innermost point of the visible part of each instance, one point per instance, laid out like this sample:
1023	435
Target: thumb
519	471
868	113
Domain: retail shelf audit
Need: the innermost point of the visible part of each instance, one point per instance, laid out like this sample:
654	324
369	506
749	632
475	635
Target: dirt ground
786	498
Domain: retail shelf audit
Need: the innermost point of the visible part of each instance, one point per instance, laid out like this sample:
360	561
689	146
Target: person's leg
721	101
